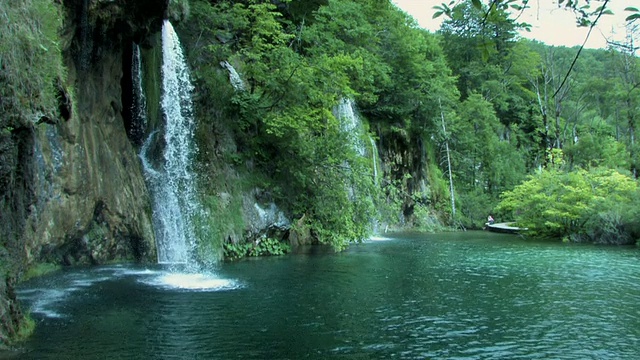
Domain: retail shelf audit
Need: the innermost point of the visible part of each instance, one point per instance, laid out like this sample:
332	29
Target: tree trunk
446	144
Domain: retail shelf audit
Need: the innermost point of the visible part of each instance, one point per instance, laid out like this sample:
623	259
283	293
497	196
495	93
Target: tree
575	206
627	70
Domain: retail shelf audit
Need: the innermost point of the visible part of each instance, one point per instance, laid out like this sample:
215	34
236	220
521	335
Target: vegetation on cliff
499	102
30	73
298	66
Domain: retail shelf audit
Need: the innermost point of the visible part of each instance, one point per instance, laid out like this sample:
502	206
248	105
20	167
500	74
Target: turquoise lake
471	295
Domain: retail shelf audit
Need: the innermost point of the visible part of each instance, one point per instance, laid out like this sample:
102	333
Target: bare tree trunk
446	144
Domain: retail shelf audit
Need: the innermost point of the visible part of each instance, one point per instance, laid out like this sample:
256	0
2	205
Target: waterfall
234	77
169	173
139	103
350	123
374	153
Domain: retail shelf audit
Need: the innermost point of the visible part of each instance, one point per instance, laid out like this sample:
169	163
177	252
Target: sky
550	25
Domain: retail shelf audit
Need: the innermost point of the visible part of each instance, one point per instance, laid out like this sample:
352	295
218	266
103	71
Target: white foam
133	272
379	238
47	301
88	282
44	300
193	282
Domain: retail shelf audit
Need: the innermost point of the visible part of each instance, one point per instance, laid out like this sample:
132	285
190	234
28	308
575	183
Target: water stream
351	124
374	159
139	101
234	78
170	178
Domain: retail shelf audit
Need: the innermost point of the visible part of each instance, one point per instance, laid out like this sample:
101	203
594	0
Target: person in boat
490	220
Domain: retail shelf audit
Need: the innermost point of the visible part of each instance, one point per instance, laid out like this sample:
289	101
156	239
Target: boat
505	227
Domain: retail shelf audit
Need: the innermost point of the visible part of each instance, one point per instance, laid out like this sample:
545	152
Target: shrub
581	205
264	247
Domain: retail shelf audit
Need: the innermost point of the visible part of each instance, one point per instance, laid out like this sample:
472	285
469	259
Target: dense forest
469	121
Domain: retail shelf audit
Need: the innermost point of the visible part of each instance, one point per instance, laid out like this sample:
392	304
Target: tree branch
573	63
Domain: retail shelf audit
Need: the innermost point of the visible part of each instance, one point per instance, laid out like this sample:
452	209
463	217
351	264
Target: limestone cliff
72	187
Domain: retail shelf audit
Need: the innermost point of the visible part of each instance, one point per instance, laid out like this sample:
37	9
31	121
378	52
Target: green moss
152	75
25	329
30	55
222	218
27	326
40	269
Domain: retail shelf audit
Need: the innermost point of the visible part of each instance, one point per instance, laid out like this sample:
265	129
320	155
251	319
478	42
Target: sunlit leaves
562	205
443	9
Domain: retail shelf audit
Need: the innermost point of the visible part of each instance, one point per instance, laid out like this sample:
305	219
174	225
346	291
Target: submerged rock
263	218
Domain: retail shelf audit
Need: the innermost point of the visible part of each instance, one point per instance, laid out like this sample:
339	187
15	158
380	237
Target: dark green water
468	295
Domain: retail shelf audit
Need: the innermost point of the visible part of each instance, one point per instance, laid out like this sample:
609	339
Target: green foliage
221	216
578	205
30	56
178	10
39	269
585	13
263	247
298	64
635	13
593	151
284	120
474	206
26	327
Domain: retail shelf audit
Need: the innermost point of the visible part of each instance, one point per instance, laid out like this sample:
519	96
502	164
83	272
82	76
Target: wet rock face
91	203
81	194
263	218
71	188
97	27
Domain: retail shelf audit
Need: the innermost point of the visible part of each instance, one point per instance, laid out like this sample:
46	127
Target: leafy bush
264	247
581	205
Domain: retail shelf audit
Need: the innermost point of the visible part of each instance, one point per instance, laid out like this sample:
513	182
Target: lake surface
472	295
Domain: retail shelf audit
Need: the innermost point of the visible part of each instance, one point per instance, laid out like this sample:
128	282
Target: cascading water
169	177
234	77
139	101
350	124
374	153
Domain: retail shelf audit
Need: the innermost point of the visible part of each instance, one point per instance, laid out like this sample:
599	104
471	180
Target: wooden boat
504	228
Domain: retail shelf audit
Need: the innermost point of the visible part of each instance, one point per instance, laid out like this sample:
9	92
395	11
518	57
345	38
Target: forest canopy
461	118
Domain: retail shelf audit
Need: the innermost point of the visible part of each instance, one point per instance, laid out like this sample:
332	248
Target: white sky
550	25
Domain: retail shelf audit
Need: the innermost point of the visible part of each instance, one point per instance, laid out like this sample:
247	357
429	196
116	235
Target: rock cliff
72	188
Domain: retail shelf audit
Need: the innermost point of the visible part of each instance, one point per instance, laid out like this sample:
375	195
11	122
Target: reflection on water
449	296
